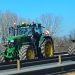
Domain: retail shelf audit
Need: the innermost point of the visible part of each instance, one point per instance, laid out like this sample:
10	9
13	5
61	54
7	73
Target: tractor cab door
37	28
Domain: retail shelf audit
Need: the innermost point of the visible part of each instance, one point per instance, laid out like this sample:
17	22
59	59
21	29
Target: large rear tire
71	49
47	48
30	53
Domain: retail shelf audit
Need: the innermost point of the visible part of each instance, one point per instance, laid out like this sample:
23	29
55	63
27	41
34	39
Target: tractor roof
25	25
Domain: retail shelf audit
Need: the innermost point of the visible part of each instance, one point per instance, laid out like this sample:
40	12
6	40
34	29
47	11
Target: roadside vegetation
51	22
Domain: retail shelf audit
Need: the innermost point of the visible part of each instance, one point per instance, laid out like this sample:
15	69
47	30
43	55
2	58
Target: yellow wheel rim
48	49
30	53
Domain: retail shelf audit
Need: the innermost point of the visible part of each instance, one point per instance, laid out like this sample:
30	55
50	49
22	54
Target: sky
33	9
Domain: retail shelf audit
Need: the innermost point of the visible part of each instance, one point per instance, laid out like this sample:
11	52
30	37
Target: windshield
25	30
28	30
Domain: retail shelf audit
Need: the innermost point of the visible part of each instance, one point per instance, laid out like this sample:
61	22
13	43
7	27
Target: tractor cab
25	29
29	29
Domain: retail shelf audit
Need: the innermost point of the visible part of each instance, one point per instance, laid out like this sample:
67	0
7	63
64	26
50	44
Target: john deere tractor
27	41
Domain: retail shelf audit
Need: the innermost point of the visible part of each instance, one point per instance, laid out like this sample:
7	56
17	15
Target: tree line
51	22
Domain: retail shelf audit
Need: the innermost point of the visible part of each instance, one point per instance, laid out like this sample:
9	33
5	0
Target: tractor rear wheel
71	49
47	48
30	54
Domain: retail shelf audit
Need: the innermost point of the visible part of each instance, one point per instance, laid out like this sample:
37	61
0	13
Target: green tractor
28	42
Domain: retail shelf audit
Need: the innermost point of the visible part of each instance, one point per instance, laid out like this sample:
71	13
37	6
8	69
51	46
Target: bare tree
72	35
61	44
7	19
51	23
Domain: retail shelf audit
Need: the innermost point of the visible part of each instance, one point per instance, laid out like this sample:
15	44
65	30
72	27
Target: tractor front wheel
30	54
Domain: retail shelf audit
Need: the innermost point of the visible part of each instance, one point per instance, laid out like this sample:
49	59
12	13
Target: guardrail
25	63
